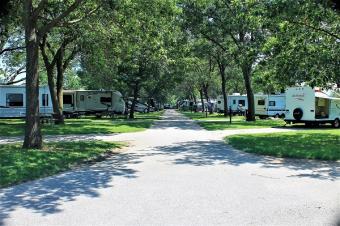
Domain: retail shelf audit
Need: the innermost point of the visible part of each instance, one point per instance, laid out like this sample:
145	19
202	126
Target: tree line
165	49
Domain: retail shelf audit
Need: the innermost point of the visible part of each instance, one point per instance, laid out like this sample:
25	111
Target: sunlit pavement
176	173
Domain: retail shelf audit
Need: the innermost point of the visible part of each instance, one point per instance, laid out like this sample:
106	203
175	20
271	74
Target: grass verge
19	165
86	125
202	116
217	121
241	124
311	144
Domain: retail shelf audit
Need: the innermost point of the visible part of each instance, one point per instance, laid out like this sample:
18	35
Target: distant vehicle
312	107
95	102
140	107
236	102
185	105
272	105
13	101
167	106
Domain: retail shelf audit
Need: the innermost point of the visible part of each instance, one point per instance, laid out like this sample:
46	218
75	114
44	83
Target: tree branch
80	19
12	49
40	7
46	28
315	28
70	57
213	41
13	82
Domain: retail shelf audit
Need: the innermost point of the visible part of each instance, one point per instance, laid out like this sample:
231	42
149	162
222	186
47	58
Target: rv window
234	101
15	100
44	99
219	102
272	103
105	99
261	102
242	102
82	97
67	99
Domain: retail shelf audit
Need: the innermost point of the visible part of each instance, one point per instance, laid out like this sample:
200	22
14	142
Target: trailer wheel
336	123
298	113
283	115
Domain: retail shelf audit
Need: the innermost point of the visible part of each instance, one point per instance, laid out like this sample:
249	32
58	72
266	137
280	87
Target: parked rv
238	103
185	105
312	107
75	102
86	102
13	101
272	105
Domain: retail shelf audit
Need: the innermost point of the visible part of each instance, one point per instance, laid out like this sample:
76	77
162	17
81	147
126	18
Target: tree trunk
33	138
246	71
223	86
205	92
51	85
134	101
202	101
50	78
60	81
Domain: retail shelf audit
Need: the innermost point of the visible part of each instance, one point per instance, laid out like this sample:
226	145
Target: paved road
179	174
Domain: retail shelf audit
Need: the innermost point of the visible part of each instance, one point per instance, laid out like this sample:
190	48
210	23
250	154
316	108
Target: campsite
167	112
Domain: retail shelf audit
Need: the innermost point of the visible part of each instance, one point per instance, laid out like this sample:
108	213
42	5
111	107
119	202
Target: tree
33	34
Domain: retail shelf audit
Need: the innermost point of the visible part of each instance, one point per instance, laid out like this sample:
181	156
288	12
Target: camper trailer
75	102
86	102
238	103
272	105
312	107
13	101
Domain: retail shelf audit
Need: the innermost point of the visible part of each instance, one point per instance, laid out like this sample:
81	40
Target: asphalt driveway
177	173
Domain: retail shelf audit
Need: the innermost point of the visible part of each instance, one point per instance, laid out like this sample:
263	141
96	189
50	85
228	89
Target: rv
13	101
272	105
75	102
312	107
236	102
86	102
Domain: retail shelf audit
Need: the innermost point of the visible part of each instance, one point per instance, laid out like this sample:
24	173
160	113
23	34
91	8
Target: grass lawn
202	116
217	121
311	144
86	125
18	165
242	124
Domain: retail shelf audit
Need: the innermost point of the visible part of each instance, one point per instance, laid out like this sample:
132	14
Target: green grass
241	123
19	165
202	116
86	125
217	121
311	144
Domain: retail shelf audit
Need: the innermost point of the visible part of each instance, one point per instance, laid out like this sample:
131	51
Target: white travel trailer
13	101
272	105
312	107
77	102
237	103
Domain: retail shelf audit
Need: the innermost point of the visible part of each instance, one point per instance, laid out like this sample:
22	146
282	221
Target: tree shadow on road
45	196
202	153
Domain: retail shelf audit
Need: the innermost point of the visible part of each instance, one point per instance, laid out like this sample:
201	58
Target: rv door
260	105
68	102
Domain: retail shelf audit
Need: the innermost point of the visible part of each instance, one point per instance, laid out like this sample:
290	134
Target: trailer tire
297	114
283	115
336	123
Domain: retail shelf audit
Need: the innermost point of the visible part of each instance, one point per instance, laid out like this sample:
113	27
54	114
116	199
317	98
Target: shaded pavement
177	173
